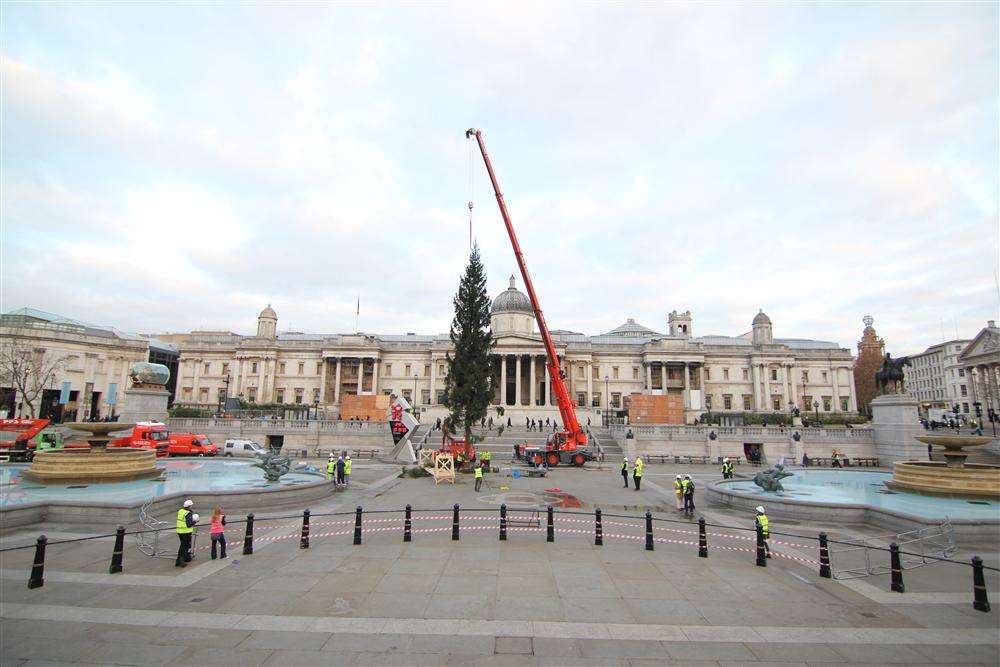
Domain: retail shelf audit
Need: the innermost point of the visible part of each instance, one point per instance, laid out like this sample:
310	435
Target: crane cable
471	195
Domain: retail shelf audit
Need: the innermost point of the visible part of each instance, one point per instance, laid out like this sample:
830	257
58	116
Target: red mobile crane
22	449
568	445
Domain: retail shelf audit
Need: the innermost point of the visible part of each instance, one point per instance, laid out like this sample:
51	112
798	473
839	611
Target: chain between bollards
248	536
119	550
702	539
454	522
503	522
598	528
897	569
357	524
304	541
980	601
37	578
761	551
550	533
649	530
408	525
824	557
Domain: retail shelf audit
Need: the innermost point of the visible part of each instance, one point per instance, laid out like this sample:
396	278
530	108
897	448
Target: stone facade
936	378
751	372
980	364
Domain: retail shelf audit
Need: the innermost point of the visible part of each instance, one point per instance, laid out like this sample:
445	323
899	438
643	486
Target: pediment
986	343
521	340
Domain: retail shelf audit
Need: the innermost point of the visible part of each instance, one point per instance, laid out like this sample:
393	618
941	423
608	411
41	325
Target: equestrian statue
891	375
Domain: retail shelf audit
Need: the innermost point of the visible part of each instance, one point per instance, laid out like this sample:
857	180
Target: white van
239	447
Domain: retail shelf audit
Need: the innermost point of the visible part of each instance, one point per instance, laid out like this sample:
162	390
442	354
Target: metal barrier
919	547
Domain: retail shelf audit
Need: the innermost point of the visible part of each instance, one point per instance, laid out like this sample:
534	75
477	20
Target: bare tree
26	368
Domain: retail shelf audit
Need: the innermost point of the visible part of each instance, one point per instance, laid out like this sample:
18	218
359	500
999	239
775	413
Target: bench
365	453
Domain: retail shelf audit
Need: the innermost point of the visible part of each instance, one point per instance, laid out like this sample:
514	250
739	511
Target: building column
361	372
433	381
589	370
503	379
322	381
836	388
336	380
375	361
517	381
687	387
548	384
533	391
970	382
786	390
663	377
649	376
755	384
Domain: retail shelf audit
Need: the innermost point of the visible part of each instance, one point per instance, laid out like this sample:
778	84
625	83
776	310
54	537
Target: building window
805	376
279	395
221	397
961	372
427	370
186	393
965	392
746	402
316	395
281	368
299	392
388	370
727	402
807	402
725	373
406	370
708	374
746	374
776	403
965	408
635	373
614	372
824	377
207	369
774	374
708	402
252	393
581	371
253	367
844	404
440	370
581	399
670	374
225	369
616	400
408	396
595	371
595	400
826	403
319	368
302	368
439	398
425	396
203	395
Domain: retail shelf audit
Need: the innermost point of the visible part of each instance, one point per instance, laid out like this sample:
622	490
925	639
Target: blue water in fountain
182	476
868	488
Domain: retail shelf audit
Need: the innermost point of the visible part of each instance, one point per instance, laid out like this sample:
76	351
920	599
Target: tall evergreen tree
469	386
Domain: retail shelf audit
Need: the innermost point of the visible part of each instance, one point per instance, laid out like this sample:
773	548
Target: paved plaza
480	601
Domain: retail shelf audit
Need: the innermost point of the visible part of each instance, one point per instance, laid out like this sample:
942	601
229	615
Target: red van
146	435
191	444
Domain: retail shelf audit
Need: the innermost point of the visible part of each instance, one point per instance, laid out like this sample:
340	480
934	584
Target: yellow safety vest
182	527
638	467
762	520
487	456
330	467
347	466
678	487
727	467
479	472
624	466
684	485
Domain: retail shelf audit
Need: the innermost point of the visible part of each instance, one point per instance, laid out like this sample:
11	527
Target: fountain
94	464
954	477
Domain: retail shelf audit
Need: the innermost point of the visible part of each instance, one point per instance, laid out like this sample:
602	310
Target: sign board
112	394
64	394
399	430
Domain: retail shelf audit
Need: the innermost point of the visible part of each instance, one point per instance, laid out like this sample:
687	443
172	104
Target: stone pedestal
896	425
143	404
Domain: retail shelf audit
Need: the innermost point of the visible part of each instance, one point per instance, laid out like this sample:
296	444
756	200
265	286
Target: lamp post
416	410
607	403
816	409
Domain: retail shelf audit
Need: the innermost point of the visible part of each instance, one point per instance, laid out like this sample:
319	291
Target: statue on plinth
891	375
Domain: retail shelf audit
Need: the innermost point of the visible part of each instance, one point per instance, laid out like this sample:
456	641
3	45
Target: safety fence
604	526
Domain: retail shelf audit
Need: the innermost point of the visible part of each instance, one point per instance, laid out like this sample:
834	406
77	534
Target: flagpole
357	313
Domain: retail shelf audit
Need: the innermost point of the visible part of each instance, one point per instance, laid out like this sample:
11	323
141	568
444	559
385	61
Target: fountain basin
972	480
92	466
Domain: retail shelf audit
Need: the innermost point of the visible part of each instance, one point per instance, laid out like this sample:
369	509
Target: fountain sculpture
954	477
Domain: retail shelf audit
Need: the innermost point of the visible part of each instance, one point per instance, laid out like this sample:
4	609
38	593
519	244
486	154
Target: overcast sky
175	168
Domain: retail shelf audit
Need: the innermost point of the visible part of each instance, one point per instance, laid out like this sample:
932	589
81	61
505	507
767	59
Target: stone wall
296	433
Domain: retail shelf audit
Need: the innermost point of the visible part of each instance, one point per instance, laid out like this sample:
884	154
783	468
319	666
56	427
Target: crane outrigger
570	444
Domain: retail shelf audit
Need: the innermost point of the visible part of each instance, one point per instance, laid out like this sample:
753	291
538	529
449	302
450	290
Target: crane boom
573	434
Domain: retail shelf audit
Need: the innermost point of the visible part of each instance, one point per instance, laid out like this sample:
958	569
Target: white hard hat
188	503
195	517
726	459
760	508
687	476
678	476
626	458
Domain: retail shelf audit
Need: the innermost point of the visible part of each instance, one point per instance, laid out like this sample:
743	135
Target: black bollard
408	525
897	569
702	539
248	537
503	522
116	555
649	531
550	535
37	578
980	602
454	522
598	528
761	552
304	542
824	557
357	525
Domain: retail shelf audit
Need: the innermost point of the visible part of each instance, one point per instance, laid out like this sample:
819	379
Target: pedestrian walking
637	472
479	476
508	422
765	528
491	423
186	519
679	492
625	471
347	470
340	469
218	532
688	494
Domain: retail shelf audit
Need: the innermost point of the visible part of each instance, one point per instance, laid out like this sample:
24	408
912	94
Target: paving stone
287	640
260	602
451	645
528	608
608	610
406	583
115	652
300	582
526	585
204	637
708	651
878	653
404	660
399	605
616	648
988	654
513	646
380	643
223	656
460	606
781	652
44	648
554	647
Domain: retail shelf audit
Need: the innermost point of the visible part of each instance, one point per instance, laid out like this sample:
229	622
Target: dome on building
761	318
268	313
631	330
512	300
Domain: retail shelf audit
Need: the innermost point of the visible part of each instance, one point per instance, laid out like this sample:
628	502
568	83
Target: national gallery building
752	372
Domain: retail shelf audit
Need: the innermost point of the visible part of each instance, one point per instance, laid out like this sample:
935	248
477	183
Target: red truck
191	444
147	435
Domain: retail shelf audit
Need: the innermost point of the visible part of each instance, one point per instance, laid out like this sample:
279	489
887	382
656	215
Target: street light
416	410
607	403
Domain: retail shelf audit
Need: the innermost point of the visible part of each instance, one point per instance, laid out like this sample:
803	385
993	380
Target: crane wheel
579	460
552	459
